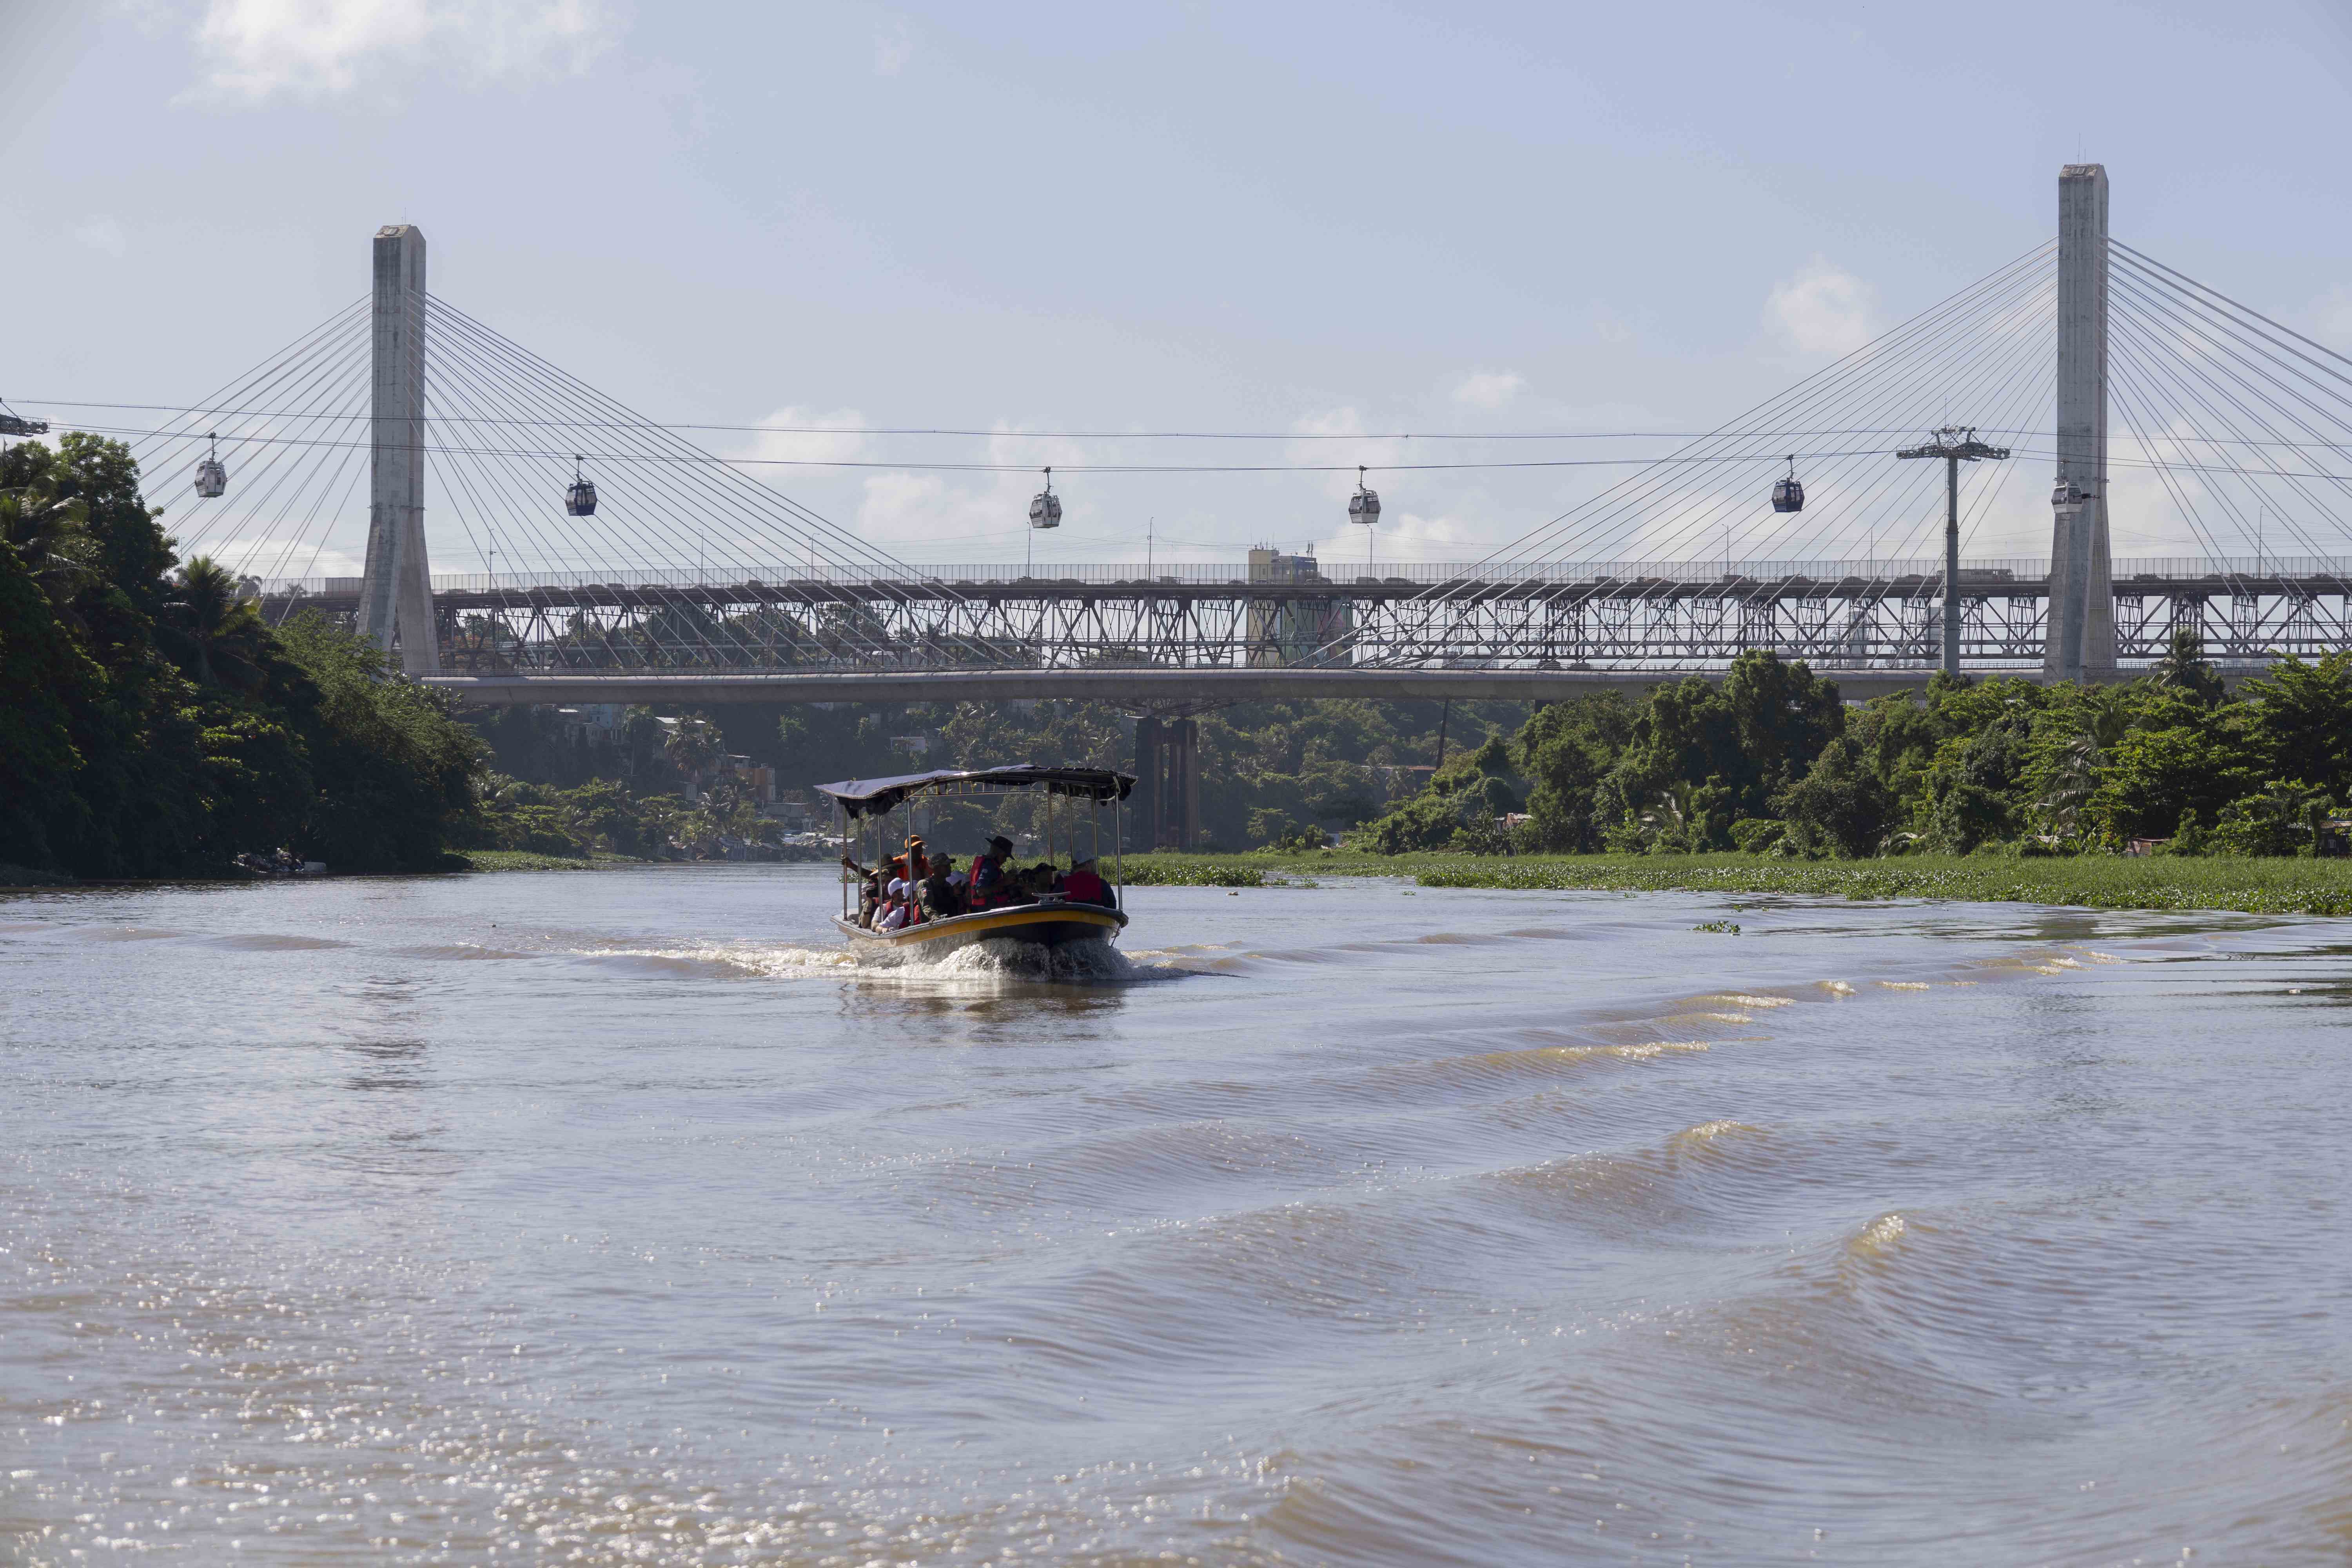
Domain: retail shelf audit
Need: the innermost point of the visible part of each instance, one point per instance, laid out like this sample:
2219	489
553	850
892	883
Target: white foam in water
1079	963
994	962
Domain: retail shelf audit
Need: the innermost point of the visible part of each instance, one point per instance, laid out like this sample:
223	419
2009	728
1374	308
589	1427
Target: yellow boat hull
1037	925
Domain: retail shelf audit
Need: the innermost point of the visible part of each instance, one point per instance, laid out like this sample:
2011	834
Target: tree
216	631
44	675
2282	817
1565	749
1841	801
1756	731
394	772
51	538
694	746
2301	720
2149	777
2185	668
2071	774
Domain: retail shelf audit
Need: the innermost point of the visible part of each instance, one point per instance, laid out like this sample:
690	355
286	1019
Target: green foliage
694	745
2185	668
1462	804
2189	839
2151	777
2300	720
1748	735
2282	817
1565	750
1840	803
151	724
2290	886
44	677
393	773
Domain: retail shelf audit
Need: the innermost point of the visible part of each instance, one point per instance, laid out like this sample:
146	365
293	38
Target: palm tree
52	538
2185	666
210	623
694	746
2077	773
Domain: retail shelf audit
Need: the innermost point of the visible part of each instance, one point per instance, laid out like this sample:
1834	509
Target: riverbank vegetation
2275	885
1771	762
152	725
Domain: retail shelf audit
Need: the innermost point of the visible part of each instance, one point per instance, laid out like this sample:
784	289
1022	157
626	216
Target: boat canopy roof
873	797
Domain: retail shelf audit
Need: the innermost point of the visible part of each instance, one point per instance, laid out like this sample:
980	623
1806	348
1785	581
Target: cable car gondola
1788	494
1364	506
579	500
212	480
1045	507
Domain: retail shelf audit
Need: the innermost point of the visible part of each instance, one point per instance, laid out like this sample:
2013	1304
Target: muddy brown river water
614	1217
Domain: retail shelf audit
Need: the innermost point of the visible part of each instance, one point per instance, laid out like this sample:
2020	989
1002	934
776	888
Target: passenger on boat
894	916
989	879
901	894
1084	885
869	892
936	893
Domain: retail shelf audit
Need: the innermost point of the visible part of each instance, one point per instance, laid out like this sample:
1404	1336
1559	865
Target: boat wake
1007	959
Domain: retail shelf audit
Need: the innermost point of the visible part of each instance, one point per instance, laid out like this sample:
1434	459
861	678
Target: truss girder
897	626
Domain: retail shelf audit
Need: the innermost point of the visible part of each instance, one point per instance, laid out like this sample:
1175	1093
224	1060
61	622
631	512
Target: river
613	1217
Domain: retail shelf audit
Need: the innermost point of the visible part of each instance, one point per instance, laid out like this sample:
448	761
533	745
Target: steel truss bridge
1420	627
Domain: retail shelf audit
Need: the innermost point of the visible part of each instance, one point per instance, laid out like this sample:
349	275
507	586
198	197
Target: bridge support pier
1166	782
2081	628
396	589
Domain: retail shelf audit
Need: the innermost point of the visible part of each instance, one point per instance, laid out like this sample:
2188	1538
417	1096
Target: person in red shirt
1083	886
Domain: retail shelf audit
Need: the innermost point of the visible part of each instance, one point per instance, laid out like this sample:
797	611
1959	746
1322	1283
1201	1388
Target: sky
1289	221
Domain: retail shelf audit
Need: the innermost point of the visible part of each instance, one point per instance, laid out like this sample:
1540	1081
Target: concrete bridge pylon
2081	635
396	605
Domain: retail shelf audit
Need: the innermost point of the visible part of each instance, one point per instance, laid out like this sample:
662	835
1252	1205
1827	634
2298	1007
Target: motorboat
1047	920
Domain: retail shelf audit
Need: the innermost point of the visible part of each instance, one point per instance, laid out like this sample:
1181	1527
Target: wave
259	942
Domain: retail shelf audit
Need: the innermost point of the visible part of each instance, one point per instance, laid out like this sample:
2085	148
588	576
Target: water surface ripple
619	1218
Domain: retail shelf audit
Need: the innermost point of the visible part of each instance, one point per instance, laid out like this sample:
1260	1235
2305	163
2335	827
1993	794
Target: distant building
1283	632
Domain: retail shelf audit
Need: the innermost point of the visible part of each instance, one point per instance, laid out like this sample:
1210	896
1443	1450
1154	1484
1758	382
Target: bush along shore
2251	885
1771	761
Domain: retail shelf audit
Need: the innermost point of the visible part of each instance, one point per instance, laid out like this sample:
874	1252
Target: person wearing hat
869	892
989	883
1084	885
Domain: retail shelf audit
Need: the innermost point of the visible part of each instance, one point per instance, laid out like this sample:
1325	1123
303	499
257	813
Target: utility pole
1956	445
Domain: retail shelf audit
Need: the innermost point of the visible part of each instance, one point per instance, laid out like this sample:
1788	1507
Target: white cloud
921	518
103	233
1405	536
892	50
794	436
255	51
1488	388
1823	309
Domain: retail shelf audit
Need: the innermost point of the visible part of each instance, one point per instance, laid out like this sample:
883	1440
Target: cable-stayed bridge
685	577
